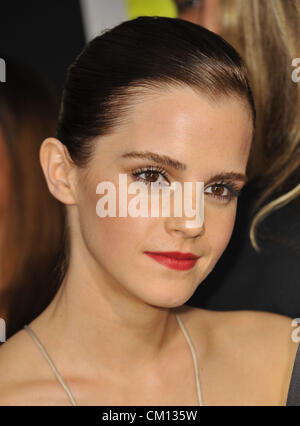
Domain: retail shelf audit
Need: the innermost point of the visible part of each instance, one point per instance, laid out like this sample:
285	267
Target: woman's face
208	139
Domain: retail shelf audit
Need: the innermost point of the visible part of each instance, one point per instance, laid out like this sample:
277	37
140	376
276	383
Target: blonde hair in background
267	35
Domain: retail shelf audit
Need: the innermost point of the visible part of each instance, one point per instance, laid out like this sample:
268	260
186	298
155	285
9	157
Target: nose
177	226
190	221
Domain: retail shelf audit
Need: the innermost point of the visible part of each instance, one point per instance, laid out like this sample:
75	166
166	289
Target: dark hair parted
123	63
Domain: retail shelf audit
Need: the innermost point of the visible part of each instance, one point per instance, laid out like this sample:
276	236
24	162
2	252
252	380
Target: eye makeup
155	173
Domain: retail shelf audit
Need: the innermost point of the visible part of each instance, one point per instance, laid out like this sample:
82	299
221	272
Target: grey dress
293	398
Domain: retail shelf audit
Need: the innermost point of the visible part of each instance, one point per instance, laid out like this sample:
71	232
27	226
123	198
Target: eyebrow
175	164
157	158
229	176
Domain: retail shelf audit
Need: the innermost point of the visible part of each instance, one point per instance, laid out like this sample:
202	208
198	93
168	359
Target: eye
150	174
224	192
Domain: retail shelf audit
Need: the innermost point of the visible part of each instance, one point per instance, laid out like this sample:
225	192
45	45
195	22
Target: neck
102	326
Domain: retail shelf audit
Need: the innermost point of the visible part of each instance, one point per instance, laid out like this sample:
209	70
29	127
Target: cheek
119	236
111	240
219	226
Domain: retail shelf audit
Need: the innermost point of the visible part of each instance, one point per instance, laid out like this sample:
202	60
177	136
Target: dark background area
46	36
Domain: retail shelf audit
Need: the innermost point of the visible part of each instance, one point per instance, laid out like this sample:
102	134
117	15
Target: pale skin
111	329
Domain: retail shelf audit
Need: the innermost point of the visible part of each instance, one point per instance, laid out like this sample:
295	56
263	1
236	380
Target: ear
58	169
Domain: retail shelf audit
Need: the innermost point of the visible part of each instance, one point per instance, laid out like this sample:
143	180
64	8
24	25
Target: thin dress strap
50	362
67	389
194	355
293	397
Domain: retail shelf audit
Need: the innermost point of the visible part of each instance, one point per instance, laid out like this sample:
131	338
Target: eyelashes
158	172
150	170
234	191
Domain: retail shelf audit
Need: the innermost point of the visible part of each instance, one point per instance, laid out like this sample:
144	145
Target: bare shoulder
24	379
254	341
272	328
267	333
273	333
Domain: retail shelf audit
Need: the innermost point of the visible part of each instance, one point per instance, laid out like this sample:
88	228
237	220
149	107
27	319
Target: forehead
187	125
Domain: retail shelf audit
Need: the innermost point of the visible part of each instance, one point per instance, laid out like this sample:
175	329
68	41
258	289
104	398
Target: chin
170	300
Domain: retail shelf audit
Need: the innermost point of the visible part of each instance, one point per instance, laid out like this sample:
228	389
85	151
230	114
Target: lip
174	259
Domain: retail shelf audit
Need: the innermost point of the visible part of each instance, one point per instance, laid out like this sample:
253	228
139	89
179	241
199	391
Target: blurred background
47	35
38	41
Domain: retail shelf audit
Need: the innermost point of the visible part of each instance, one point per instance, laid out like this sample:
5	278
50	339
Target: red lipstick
174	259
